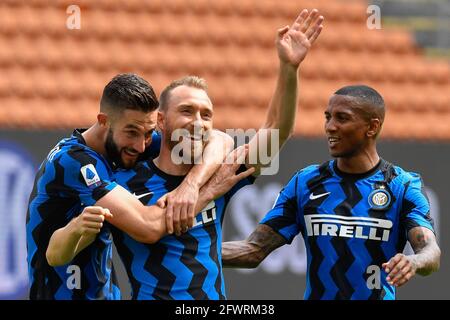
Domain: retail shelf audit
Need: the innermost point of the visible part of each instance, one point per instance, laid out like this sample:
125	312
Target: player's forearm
218	146
283	106
241	254
251	252
427	260
427	253
205	197
280	119
145	224
153	226
62	247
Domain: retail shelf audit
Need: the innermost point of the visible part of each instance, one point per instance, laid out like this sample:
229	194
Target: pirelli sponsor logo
207	216
347	227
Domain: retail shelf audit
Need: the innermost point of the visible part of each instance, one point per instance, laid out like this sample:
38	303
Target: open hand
293	42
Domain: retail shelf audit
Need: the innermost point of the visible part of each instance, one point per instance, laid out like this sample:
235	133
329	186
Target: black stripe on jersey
198	270
211	230
406	207
81	260
33	193
288	218
388	171
137	183
155	267
79	154
378	257
53	213
340	268
346	257
317	287
353	197
127	258
373	246
315	184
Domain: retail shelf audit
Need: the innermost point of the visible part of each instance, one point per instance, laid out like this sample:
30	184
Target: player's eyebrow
185	105
133	126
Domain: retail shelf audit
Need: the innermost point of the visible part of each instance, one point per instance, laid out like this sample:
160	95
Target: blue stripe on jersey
188	266
348	226
184	276
60	192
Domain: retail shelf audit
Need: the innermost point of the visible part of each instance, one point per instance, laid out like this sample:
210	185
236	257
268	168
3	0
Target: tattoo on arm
251	252
427	252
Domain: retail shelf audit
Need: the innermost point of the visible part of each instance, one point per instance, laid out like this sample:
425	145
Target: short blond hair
189	81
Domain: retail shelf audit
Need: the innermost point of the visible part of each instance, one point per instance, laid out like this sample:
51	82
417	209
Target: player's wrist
206	196
192	182
75	228
288	67
414	260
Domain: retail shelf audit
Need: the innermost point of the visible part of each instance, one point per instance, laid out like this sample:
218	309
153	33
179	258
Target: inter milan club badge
379	199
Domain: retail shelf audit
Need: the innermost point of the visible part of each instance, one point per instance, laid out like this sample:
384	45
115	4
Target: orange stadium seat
229	42
221	7
199	8
266	8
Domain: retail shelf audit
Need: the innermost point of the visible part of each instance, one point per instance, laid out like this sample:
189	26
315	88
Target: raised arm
426	260
293	43
251	252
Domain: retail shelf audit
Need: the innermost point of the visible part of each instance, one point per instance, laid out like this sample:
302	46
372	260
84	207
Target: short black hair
367	97
128	91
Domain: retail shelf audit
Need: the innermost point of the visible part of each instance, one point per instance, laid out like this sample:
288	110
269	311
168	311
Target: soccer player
188	266
355	212
77	177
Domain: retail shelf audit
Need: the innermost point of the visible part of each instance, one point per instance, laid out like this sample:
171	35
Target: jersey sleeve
282	218
86	175
415	211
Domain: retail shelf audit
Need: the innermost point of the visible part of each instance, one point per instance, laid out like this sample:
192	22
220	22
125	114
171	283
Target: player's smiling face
189	109
345	127
128	136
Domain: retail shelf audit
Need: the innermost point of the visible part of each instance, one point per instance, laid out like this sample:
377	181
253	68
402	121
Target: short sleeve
282	218
415	210
87	175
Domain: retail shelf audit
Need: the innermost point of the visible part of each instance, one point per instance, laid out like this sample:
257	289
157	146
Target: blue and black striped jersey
351	225
176	267
72	177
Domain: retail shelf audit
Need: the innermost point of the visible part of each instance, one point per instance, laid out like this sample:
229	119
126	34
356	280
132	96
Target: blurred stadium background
52	78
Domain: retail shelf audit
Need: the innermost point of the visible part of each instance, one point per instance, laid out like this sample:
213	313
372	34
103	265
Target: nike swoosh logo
317	196
142	195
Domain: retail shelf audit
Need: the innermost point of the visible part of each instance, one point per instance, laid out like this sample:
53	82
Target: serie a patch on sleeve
90	176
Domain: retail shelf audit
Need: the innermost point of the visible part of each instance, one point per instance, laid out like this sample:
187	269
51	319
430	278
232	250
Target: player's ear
102	119
160	120
374	128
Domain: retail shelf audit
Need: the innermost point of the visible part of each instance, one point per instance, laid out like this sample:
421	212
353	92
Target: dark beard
112	151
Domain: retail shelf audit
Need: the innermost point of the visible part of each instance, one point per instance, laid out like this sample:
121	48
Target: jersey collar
358	176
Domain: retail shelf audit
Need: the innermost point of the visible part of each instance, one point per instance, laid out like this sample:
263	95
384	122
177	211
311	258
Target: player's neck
94	138
164	163
359	163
